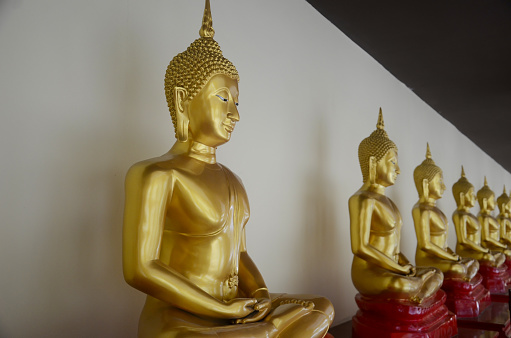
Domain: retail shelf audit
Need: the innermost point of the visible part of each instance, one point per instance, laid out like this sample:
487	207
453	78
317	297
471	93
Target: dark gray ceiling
454	54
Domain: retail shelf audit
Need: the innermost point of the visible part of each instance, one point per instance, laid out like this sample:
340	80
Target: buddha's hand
240	307
262	309
411	271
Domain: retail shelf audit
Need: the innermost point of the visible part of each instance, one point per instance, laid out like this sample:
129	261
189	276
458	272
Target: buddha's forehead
221	81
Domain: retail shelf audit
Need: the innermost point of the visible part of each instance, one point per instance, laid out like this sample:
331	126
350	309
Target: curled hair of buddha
461	186
484	193
503	199
193	68
377	145
426	170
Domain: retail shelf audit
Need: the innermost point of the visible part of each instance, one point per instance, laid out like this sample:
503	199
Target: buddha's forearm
251	280
495	243
378	258
435	250
159	281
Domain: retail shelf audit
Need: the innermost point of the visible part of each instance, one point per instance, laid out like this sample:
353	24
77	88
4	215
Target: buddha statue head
463	191
486	197
428	178
504	202
377	155
201	87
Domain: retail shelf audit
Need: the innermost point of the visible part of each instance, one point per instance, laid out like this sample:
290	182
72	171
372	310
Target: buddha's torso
438	224
385	224
505	227
492	224
203	231
471	225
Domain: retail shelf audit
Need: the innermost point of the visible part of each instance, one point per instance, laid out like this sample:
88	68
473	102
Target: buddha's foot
416	299
288	311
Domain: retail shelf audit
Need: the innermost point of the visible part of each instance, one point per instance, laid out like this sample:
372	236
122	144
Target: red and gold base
399	318
496	280
466	299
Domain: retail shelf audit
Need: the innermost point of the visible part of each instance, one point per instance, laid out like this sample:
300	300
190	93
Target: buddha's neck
202	152
464	208
375	187
428	201
486	211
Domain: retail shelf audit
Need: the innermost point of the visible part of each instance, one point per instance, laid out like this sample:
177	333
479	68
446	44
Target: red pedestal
466	299
400	319
496	280
508	264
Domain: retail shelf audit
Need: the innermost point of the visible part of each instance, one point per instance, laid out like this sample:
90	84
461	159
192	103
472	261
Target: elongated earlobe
485	203
182	119
372	170
462	199
425	188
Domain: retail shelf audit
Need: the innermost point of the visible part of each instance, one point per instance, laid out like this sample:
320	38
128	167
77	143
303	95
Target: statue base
496	280
494	318
399	318
508	264
466	299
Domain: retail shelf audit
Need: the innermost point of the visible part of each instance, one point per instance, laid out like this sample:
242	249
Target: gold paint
468	228
185	217
379	269
504	217
490	227
431	225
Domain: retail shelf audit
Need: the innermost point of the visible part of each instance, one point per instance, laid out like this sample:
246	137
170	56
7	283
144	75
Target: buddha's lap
159	319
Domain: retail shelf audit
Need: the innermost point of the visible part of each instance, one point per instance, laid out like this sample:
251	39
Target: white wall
81	97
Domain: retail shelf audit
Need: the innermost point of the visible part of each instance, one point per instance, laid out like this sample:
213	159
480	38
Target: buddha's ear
372	169
182	120
485	203
425	187
462	199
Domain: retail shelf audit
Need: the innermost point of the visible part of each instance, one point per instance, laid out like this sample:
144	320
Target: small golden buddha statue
468	229
431	225
504	217
185	216
379	269
490	227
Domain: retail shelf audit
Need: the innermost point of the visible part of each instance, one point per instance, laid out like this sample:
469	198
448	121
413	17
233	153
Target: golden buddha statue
490	227
431	225
504	217
379	269
185	216
468	229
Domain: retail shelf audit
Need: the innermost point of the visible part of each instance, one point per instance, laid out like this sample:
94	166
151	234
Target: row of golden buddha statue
385	278
185	215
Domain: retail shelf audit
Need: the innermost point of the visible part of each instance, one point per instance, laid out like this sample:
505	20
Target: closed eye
222	98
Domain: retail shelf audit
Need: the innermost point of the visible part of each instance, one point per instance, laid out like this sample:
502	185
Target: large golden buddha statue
468	229
185	216
504	217
490	227
431	225
379	269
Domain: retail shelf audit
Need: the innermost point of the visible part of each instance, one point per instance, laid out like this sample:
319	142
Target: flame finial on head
380	124
485	182
462	172
206	30
428	152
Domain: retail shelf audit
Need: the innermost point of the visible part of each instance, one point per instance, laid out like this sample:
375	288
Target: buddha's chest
472	224
386	219
207	203
438	222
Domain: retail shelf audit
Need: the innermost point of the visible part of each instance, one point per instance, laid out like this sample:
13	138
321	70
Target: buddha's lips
229	127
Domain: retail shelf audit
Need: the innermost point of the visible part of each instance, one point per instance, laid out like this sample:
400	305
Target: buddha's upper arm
147	192
361	210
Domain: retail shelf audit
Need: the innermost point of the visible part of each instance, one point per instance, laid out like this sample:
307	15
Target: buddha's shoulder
363	196
167	165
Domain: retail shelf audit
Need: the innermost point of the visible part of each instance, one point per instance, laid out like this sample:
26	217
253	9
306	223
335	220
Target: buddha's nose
233	111
398	170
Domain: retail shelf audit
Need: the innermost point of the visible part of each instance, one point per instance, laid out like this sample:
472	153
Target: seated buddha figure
431	225
468	229
185	215
490	227
504	217
379	269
